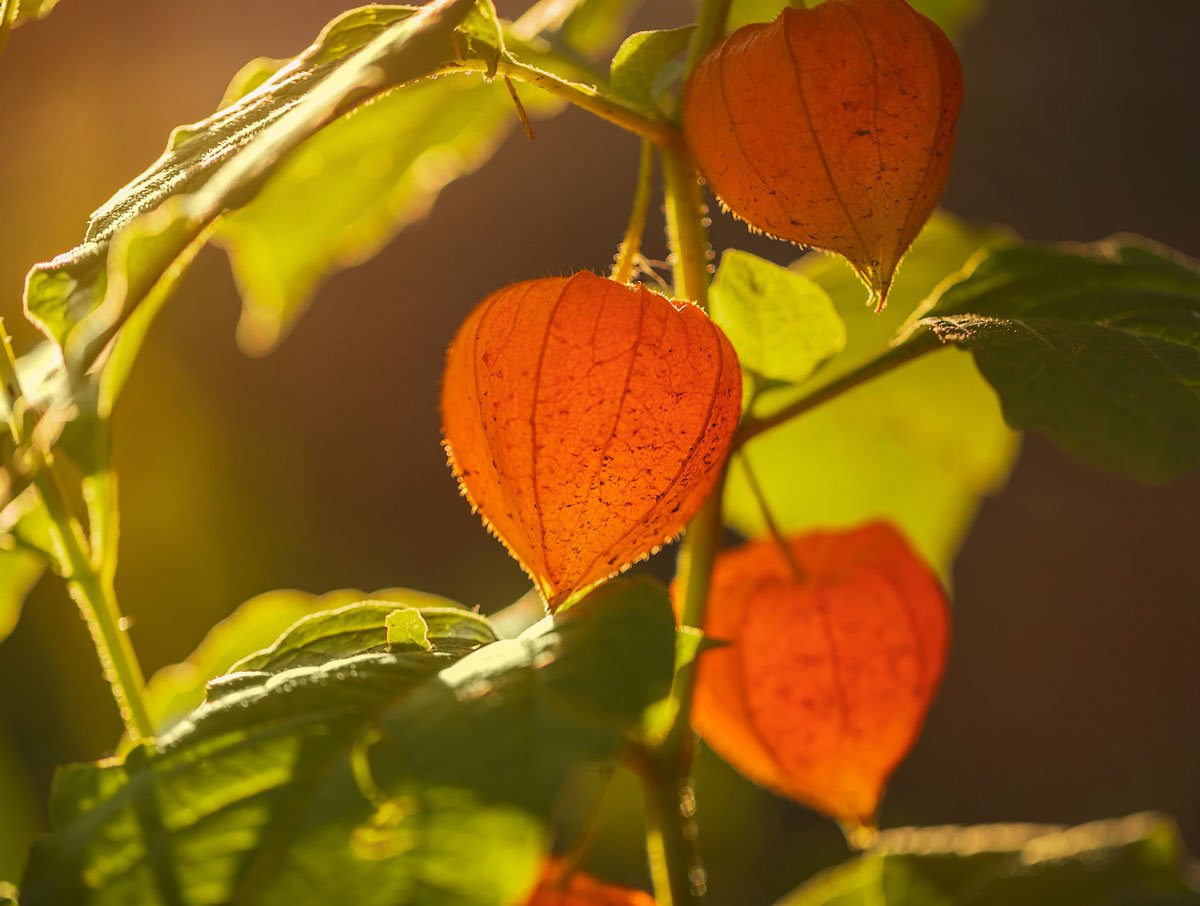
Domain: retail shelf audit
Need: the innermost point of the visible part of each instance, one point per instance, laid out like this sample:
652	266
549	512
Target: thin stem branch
671	831
89	573
710	27
97	602
631	244
772	526
591	98
913	348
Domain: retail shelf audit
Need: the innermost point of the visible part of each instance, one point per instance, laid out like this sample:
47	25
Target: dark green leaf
363	627
642	67
256	625
1135	861
1098	346
137	242
383	777
918	447
781	322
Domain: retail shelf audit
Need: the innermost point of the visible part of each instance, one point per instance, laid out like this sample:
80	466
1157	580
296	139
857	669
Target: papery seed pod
579	889
832	127
587	421
835	657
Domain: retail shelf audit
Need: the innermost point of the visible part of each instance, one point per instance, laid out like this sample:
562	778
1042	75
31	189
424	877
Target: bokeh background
1073	690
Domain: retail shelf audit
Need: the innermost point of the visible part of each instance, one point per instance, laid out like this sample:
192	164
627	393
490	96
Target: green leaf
22	11
20	571
951	15
379	777
783	324
138	241
256	625
1134	860
408	629
918	447
8	894
1098	346
649	62
370	175
364	626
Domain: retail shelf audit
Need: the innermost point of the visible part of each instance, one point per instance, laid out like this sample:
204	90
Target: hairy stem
671	832
591	98
94	593
918	345
631	244
710	27
89	572
687	232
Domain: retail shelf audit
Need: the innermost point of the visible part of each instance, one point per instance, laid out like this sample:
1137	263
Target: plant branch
710	27
772	526
671	831
592	98
631	245
919	345
88	573
687	236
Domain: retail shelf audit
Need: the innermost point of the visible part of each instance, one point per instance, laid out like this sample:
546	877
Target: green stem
913	348
631	245
89	574
591	98
97	602
687	234
710	27
666	770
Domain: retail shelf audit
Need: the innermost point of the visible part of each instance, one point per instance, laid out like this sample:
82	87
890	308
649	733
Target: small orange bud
583	890
587	420
833	663
831	127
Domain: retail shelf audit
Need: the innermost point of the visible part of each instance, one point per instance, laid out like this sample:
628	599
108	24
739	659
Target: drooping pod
831	127
835	655
587	421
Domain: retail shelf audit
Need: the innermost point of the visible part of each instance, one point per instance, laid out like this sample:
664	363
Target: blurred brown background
1072	690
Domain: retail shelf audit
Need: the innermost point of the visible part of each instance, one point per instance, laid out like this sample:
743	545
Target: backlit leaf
380	777
137	242
587	420
918	447
21	11
1135	860
641	68
837	649
1098	346
20	571
782	323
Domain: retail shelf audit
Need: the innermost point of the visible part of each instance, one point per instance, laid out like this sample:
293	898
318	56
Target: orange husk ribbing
587	421
830	672
832	127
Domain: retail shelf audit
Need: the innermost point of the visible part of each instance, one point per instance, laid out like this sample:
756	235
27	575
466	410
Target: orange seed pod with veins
832	127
